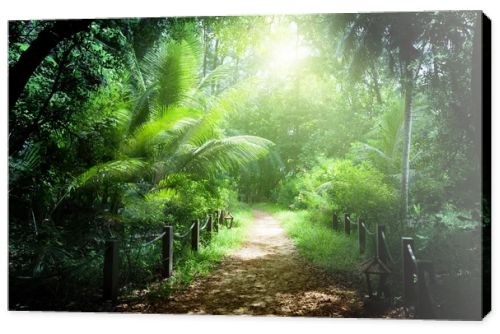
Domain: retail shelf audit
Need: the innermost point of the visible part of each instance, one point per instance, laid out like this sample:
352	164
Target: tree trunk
205	53
46	40
236	75
215	63
476	105
376	86
405	178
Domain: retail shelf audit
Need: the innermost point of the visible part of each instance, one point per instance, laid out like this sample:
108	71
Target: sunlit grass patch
316	241
269	207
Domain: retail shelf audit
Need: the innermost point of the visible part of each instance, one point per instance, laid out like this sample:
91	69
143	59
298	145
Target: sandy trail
265	277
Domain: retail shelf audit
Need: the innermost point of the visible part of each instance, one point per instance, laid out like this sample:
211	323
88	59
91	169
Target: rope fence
152	241
111	267
204	225
183	236
417	275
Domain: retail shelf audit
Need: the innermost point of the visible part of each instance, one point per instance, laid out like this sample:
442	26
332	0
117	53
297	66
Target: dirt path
265	277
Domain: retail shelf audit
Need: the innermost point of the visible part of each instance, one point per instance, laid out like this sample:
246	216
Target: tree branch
47	39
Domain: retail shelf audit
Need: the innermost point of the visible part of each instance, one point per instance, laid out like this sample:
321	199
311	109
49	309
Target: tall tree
404	41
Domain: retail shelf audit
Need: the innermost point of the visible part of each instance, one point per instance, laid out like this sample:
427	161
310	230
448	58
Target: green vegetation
342	186
119	127
317	242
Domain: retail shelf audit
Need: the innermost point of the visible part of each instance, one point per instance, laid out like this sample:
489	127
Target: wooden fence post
347	224
383	256
221	218
381	251
209	226
111	270
335	221
361	236
408	292
195	235
216	221
168	251
424	309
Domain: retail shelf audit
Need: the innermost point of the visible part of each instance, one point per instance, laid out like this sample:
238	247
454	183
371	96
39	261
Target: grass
269	207
191	265
316	241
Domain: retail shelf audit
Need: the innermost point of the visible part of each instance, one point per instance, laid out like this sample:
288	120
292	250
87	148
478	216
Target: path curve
266	276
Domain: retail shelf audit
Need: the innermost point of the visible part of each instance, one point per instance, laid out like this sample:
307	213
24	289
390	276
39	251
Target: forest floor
266	276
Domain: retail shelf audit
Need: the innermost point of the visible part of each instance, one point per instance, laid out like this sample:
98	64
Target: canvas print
315	165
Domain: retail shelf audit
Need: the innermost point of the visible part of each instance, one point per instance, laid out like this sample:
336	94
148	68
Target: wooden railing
111	267
416	275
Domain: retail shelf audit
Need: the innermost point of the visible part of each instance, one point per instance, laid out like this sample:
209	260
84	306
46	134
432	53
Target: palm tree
407	42
174	125
384	149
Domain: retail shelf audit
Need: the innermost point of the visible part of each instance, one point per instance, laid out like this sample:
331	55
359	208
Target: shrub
345	187
286	193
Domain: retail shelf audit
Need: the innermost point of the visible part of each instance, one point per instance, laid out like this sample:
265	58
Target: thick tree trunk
405	178
48	38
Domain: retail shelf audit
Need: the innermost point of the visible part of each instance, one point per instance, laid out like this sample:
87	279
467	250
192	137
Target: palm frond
162	195
28	159
167	75
221	72
173	69
218	155
324	186
141	111
158	132
113	171
25	162
380	153
216	109
269	162
391	127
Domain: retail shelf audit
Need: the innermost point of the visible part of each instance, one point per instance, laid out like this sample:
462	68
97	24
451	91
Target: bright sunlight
284	49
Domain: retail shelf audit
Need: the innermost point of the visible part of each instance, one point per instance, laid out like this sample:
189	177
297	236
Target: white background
51	322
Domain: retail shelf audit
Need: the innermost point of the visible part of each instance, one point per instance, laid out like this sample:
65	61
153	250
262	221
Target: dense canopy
119	127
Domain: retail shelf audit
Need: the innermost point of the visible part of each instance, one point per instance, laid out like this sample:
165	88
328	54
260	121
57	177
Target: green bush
286	193
343	186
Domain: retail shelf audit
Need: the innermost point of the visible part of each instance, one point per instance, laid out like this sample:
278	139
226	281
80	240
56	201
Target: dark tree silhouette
48	38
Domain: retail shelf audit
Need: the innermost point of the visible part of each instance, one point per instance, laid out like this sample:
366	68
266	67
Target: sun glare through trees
316	165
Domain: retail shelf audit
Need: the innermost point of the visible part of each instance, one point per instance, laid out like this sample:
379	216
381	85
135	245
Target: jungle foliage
125	125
